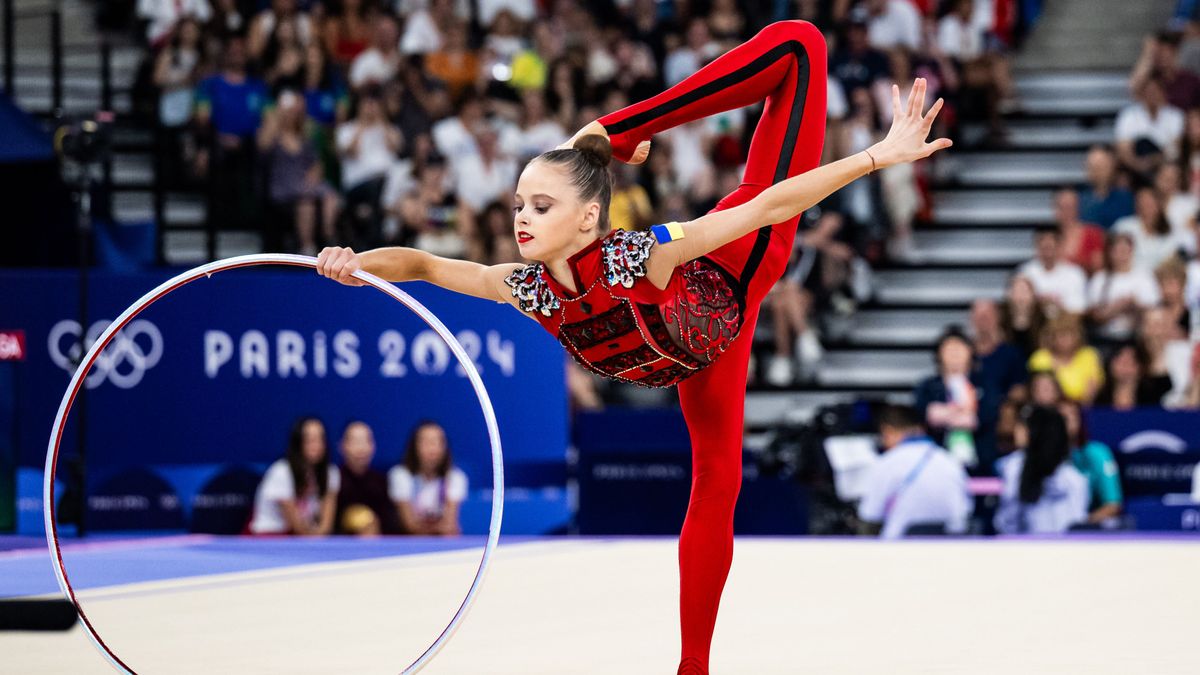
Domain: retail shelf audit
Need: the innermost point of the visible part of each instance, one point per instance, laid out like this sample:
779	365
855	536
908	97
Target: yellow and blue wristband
667	232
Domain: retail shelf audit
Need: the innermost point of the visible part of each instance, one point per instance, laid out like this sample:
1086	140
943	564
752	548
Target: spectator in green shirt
1095	461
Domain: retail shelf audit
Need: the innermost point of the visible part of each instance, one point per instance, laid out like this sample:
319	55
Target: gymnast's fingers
895	101
933	112
323	260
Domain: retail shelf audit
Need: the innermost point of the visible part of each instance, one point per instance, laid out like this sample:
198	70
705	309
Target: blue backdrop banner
212	377
1156	449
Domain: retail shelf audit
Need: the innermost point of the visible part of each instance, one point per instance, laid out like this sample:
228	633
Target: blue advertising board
1156	449
203	386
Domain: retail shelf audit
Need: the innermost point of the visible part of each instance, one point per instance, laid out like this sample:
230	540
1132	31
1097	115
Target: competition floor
199	604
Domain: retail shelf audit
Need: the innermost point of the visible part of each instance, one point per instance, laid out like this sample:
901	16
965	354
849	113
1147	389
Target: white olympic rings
93	356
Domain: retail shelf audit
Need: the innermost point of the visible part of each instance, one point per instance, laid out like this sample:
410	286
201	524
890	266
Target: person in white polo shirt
1043	491
1058	282
915	482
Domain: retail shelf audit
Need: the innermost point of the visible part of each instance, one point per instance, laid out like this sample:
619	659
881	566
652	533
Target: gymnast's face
550	221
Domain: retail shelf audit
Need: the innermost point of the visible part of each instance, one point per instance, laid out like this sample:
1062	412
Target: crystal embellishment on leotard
530	289
705	312
625	256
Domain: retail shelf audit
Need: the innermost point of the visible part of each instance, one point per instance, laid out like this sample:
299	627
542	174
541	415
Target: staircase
1072	79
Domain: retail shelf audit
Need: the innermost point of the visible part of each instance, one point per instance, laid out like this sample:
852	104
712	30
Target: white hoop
166	287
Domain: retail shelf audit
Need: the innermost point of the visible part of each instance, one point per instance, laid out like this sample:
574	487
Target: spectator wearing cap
914	483
1082	243
1043	492
1148	131
1160	59
381	61
1059	283
1102	201
1075	364
1153	239
1118	294
957	406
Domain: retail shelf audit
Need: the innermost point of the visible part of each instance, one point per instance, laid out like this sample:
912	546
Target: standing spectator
298	494
1180	207
915	482
1082	243
1060	285
165	16
894	24
229	109
1095	461
363	505
1119	293
268	21
1148	131
1001	365
295	179
426	487
1127	386
176	70
1103	201
1153	240
1022	315
381	61
347	31
367	146
1160	59
1043	492
957	406
1076	365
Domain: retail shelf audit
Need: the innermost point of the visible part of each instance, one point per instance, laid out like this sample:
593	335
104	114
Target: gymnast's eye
541	209
516	209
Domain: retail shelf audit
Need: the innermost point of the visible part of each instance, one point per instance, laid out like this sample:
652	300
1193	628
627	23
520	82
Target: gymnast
677	304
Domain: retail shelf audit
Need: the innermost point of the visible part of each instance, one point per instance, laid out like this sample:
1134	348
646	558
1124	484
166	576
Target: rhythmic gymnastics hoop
208	270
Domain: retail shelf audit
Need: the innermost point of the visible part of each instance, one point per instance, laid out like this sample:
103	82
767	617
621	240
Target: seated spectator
1179	207
1168	351
1082	243
1160	60
1061	286
1044	389
367	146
1076	365
325	94
698	49
1153	240
430	214
1043	492
893	24
455	64
283	60
165	16
854	62
426	487
1189	155
915	482
957	406
487	176
1001	365
1118	294
1095	461
962	36
347	31
1172	278
1022	315
379	63
298	494
630	208
423	27
363	505
295	180
454	136
1103	201
1148	132
265	24
537	132
1127	386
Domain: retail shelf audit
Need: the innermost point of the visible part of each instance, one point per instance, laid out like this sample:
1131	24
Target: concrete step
768	408
133	169
1037	134
1068	84
1012	169
189	247
952	208
180	209
901	327
977	246
925	287
870	368
73	104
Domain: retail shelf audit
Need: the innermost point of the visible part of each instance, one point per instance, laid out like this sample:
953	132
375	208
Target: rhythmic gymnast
675	305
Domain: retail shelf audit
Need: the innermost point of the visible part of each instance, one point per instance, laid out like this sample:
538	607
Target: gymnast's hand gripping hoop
170	285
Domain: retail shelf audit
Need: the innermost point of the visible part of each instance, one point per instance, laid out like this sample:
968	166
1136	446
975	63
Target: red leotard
785	65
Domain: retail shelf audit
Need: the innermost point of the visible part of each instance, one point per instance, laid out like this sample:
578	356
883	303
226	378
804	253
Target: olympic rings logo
135	349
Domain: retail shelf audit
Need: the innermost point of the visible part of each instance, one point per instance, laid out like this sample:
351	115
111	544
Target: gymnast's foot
691	666
594	127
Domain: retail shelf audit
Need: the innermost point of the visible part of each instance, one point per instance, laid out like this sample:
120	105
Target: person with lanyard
915	482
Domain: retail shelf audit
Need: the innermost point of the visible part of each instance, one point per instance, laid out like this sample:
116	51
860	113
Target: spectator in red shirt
1082	243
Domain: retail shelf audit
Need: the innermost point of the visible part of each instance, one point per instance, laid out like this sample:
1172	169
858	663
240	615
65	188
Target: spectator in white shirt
1153	240
367	146
423	28
485	177
1180	206
298	494
537	132
426	487
265	23
1043	491
894	24
915	482
1148	131
1118	294
688	58
380	63
164	15
1058	283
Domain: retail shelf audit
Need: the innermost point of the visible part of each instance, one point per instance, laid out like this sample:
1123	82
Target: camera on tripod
85	142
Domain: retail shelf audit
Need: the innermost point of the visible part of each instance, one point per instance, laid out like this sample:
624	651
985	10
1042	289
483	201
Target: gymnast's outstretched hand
905	141
639	154
340	263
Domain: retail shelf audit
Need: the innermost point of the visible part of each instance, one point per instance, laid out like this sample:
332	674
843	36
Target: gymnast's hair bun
595	148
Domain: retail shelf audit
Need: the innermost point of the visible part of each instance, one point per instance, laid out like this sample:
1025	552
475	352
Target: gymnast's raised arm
905	142
409	264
